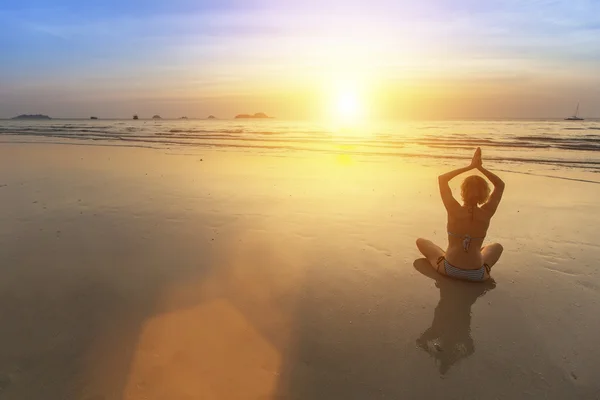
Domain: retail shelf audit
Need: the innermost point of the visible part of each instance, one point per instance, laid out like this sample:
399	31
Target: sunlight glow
347	104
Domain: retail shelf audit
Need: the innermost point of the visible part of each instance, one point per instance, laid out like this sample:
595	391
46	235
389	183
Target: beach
208	273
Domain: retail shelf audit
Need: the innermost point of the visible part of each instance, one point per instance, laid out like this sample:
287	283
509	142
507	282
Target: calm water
556	145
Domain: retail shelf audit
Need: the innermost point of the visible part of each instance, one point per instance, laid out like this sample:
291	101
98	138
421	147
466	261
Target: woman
467	226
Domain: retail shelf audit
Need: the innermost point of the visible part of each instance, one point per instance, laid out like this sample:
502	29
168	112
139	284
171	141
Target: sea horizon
322	120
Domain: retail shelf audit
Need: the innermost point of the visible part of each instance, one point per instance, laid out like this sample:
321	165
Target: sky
428	59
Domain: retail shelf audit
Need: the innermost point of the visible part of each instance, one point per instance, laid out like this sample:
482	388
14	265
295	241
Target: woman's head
474	190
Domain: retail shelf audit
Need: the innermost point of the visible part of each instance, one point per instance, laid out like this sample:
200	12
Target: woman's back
463	223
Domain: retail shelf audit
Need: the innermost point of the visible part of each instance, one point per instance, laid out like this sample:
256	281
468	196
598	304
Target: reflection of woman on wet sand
468	223
449	339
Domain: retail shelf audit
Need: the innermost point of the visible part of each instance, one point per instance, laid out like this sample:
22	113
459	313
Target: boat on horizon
575	116
135	116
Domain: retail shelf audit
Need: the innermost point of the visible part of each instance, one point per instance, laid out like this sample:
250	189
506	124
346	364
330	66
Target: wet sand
146	274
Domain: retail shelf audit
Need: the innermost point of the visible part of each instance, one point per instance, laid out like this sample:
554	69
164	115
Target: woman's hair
474	190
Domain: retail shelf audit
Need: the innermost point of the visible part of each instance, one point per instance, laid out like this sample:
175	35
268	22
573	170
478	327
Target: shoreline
569	169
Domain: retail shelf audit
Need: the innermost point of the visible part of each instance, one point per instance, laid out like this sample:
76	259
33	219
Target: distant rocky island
93	117
257	115
32	116
156	117
211	117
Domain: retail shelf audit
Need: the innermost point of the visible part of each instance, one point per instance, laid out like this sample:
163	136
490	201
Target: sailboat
574	117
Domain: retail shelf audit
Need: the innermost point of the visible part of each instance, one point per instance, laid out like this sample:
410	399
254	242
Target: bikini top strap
464	236
466	240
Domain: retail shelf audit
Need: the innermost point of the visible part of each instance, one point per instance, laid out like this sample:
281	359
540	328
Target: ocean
518	145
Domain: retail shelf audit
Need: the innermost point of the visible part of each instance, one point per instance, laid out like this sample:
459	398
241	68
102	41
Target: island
93	117
211	117
257	115
32	116
136	117
183	117
156	117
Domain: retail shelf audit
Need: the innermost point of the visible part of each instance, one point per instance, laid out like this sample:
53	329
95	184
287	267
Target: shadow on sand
448	339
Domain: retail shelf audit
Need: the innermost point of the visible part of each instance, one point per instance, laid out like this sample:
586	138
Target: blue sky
439	58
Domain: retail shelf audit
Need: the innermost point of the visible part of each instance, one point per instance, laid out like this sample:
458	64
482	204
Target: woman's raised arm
445	191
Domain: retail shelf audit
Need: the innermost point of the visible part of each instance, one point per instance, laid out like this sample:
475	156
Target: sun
347	107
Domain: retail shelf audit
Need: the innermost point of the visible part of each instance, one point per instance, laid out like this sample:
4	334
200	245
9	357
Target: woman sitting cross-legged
466	258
